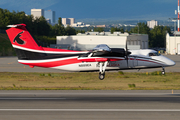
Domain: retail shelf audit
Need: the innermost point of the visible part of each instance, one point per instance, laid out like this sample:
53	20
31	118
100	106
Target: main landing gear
101	75
102	70
163	71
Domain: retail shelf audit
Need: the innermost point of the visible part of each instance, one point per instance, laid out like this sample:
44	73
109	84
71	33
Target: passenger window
151	54
154	54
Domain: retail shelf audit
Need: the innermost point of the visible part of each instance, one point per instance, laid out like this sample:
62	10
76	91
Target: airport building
90	40
173	43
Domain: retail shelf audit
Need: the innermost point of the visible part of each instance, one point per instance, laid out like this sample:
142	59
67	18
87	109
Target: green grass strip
89	81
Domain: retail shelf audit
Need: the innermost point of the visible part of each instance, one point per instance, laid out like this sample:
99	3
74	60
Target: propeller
127	53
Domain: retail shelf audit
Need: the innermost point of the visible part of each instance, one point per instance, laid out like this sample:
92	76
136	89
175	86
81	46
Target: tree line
157	35
37	26
46	32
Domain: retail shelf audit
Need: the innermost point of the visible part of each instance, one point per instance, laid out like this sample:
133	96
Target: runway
90	105
10	64
87	105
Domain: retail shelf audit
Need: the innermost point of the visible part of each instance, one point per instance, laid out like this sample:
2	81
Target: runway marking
11	62
32	98
104	94
96	110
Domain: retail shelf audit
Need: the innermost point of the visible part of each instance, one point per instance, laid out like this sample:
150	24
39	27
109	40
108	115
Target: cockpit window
154	54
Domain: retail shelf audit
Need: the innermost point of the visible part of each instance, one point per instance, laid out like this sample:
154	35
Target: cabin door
135	61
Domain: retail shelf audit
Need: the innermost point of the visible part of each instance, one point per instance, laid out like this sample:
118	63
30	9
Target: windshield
154	54
102	47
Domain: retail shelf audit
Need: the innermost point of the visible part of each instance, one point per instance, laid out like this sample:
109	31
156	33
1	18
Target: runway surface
90	105
87	105
10	64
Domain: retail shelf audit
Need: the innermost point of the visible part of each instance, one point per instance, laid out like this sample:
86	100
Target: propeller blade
126	53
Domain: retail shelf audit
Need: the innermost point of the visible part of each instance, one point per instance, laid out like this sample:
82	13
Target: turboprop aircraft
101	58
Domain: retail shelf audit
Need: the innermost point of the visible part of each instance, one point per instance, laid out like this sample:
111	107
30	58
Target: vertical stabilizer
23	42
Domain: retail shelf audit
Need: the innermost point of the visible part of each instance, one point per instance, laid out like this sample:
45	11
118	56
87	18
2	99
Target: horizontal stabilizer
14	26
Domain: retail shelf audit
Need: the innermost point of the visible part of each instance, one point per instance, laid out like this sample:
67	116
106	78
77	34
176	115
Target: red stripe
99	59
54	63
60	50
71	61
62	62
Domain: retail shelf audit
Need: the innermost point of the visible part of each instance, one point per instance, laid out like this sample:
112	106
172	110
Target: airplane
102	58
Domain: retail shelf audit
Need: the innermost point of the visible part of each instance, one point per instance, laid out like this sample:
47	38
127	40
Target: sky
98	9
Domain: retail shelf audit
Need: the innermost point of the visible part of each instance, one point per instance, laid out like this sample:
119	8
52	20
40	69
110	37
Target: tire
163	72
101	76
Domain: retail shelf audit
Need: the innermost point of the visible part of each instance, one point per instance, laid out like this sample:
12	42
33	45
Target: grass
89	81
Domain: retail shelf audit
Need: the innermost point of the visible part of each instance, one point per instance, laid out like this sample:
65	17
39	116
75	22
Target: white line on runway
86	94
96	110
32	98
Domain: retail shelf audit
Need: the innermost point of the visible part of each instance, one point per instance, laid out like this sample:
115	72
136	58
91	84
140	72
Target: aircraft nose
173	63
170	62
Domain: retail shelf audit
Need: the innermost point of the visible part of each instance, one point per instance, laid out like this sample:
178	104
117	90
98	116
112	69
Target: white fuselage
139	59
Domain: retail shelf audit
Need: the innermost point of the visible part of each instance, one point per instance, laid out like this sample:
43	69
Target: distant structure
68	21
173	43
80	24
178	18
152	23
89	40
50	16
173	40
37	12
101	26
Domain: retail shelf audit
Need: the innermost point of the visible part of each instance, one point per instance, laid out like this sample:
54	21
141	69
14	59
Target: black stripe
122	69
147	58
29	55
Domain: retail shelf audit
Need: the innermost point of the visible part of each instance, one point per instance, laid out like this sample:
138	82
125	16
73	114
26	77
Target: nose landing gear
163	71
102	70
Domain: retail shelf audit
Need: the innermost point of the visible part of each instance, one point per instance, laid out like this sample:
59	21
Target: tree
157	36
70	31
140	28
117	30
98	29
60	21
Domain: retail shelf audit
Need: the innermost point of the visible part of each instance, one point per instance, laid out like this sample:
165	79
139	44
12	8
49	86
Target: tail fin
23	42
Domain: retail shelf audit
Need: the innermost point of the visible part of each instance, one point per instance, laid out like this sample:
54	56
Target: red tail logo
18	39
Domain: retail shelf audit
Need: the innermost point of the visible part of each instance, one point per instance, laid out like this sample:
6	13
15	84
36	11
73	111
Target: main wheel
163	72
101	76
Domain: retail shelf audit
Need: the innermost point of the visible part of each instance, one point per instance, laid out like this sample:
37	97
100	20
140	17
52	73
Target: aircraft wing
102	53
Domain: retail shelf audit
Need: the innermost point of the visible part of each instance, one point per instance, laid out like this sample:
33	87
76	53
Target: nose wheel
163	71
